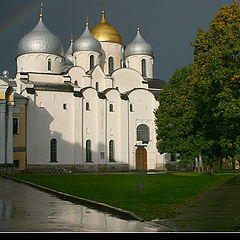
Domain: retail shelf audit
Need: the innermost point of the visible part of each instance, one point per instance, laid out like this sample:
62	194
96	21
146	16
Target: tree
215	83
174	117
199	111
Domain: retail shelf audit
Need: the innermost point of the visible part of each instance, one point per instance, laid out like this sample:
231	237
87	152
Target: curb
123	214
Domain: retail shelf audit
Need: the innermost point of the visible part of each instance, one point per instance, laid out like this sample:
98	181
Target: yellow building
12	126
19	132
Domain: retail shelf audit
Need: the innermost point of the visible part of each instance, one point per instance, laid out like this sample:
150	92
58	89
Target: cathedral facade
89	108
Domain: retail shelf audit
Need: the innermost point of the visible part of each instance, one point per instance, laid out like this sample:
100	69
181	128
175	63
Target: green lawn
161	194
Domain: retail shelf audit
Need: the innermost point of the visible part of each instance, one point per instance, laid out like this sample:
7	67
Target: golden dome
104	32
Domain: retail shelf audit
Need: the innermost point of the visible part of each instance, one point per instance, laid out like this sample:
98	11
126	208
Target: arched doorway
141	158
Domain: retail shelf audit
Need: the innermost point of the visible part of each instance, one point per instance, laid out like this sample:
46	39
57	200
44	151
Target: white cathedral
90	108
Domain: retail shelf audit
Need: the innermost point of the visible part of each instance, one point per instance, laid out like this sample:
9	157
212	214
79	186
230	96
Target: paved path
27	209
216	211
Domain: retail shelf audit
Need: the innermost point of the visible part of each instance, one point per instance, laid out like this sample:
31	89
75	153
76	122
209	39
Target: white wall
135	62
46	120
114	50
82	59
126	79
38	62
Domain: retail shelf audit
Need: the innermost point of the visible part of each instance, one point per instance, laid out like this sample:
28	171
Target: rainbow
16	18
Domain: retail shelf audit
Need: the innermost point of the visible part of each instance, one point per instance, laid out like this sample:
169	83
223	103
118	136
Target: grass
161	194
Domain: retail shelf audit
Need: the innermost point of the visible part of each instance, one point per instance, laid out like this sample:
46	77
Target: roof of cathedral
40	40
104	32
87	42
156	83
138	46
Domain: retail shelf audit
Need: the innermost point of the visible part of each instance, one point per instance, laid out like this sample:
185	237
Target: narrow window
76	83
53	150
144	71
65	106
15	126
111	151
142	133
87	106
131	108
110	65
88	151
97	86
91	62
111	108
49	64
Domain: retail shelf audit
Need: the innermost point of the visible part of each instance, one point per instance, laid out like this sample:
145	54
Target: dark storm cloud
169	26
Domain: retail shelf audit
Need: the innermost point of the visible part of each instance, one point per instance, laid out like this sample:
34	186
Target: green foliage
199	110
174	116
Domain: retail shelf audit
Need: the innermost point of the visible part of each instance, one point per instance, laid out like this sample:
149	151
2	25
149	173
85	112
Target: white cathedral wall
143	107
99	77
114	50
114	120
45	78
38	62
82	59
90	125
47	120
126	79
135	62
78	74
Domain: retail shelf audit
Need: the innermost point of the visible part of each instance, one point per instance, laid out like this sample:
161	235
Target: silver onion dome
40	40
87	43
68	57
138	47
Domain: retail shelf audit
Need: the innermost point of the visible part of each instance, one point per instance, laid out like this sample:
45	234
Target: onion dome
87	42
68	55
104	32
40	40
138	46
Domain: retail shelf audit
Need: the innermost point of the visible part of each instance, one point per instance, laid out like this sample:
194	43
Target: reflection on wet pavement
26	209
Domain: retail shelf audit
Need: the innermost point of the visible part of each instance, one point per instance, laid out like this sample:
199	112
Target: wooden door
141	158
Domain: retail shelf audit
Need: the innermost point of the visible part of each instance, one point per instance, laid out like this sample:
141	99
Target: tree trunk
199	167
221	162
233	164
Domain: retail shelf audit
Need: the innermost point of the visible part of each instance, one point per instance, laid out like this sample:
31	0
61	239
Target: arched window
91	62
142	133
76	83
49	64
88	151
111	151
144	69
111	108
110	65
53	150
97	86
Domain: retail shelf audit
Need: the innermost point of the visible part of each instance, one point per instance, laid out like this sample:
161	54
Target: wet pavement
215	211
27	209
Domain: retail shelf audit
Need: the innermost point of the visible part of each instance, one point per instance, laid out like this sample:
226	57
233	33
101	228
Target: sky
169	26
